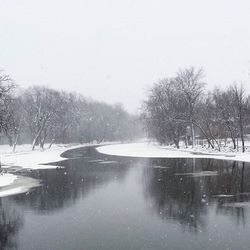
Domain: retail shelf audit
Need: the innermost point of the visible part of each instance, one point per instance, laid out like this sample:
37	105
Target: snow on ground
11	191
152	150
6	179
26	158
21	184
11	184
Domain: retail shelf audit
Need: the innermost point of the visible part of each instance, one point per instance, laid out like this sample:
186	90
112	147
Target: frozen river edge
25	158
151	150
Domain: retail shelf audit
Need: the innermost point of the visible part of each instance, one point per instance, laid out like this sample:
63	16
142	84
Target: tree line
179	109
40	115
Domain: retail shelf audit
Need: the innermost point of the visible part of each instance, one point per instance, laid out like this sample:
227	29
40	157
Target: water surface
107	202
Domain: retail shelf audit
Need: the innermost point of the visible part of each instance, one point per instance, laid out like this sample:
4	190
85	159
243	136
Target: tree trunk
15	143
214	139
242	142
42	141
205	134
34	142
233	139
51	143
234	143
38	134
176	142
193	135
36	139
231	134
186	141
242	137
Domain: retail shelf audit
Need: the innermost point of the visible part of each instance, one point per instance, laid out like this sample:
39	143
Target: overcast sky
113	50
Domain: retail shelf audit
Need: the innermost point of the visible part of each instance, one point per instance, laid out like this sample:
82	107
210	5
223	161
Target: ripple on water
199	174
160	167
108	162
237	204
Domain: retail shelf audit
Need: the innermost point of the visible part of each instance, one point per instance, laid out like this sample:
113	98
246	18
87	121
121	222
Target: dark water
111	203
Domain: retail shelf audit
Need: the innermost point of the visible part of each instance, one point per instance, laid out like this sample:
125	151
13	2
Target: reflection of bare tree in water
235	183
186	198
176	196
10	223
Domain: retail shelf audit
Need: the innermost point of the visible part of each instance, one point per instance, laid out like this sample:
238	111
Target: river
111	203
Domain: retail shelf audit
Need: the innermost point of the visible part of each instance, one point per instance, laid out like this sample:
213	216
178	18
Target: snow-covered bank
20	184
155	151
11	184
7	179
26	158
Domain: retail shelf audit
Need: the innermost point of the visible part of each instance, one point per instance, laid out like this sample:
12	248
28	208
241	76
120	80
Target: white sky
113	50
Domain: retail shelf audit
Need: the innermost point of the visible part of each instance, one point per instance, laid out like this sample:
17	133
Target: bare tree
53	116
225	108
164	112
6	84
41	105
191	85
240	102
13	119
6	97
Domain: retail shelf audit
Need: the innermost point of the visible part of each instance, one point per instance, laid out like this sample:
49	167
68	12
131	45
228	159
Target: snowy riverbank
25	158
152	150
7	179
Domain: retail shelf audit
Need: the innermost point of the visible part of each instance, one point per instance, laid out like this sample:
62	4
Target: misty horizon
115	51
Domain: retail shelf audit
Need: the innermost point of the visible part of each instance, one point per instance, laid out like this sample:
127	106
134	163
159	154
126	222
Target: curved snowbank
11	184
155	151
19	184
138	150
7	179
26	158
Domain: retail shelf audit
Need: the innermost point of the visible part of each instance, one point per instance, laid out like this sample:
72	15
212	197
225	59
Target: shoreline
6	179
147	150
25	158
